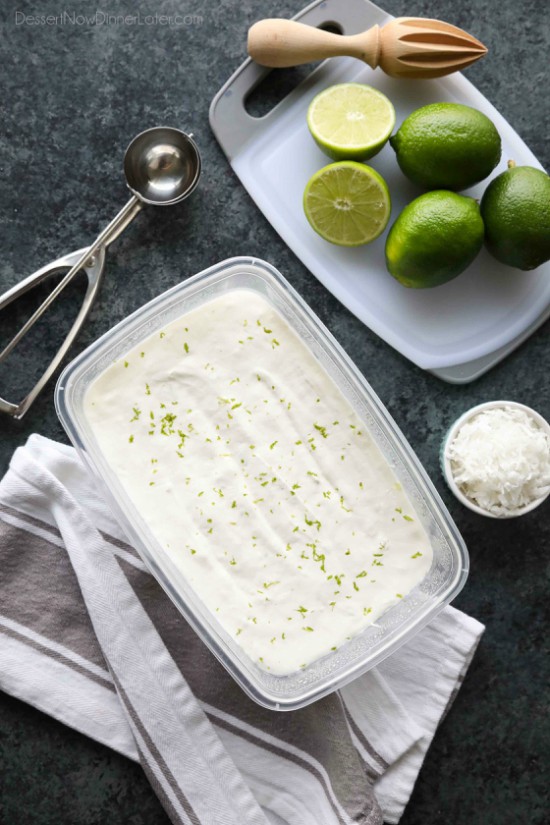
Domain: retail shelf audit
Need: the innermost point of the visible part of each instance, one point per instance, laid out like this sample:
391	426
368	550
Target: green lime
516	211
350	121
447	146
434	239
347	203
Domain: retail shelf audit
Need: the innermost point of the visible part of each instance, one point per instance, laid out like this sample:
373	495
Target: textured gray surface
72	98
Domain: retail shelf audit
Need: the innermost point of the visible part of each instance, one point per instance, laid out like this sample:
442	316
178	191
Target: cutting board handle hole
278	83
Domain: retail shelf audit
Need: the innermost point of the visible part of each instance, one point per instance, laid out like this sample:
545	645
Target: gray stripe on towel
42	525
58	657
122	545
278	751
158	788
383	765
157	756
30	592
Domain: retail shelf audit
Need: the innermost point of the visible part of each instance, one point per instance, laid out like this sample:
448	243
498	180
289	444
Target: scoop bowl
162	166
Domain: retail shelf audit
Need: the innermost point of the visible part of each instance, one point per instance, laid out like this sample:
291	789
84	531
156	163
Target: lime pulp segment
347	203
352	118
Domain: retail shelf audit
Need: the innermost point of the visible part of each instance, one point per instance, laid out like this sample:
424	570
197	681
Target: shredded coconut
500	460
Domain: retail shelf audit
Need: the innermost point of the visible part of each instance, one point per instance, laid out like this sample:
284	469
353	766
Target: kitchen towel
89	637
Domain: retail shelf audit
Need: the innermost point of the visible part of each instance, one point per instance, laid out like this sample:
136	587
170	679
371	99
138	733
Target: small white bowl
446	462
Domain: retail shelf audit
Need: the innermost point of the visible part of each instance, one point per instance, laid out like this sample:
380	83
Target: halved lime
347	203
350	121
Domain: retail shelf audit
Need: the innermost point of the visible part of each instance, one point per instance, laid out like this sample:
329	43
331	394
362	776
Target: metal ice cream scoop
162	167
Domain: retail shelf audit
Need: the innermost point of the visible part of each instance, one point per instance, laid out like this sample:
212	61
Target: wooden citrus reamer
405	47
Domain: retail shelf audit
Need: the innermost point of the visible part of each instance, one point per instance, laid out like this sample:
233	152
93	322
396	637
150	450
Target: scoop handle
279	43
112	231
94	271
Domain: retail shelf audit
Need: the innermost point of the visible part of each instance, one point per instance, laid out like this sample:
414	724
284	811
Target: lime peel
516	210
447	146
434	239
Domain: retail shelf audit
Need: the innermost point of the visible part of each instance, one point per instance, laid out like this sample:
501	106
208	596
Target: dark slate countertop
72	98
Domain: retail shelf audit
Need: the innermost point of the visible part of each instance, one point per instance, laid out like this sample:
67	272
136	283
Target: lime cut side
350	121
347	203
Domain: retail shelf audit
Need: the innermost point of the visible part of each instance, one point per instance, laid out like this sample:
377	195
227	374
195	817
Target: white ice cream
259	480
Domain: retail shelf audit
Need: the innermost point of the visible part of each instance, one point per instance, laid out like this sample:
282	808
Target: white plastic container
449	568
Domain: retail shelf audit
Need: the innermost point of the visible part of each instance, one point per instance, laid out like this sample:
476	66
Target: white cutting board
458	330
